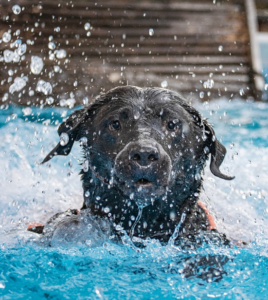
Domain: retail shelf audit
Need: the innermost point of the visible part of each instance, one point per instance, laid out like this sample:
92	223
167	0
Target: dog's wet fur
143	148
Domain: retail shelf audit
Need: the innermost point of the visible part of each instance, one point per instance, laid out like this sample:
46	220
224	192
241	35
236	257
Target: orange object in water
212	224
36	227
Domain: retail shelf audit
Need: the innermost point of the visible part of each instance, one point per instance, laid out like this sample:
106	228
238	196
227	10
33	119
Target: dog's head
145	142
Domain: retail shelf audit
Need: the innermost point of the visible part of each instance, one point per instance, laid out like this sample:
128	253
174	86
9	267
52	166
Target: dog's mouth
144	183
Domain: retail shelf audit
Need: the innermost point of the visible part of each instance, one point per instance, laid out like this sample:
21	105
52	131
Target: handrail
254	47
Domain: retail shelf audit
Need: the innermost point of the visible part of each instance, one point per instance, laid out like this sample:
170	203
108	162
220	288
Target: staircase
198	48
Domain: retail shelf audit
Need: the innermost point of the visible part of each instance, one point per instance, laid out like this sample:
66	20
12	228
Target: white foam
32	193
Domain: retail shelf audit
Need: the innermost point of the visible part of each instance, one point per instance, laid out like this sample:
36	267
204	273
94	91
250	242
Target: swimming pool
30	192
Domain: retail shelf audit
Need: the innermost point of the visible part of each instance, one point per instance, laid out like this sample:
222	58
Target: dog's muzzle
144	168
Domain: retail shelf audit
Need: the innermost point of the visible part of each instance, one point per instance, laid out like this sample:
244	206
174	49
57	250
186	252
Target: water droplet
16	43
16	56
70	102
151	32
85	101
64	139
118	227
16	9
57	29
87	194
131	196
5	97
88	33
85	166
201	95
172	215
241	91
27	111
137	115
88	243
6	37
164	84
177	230
22	48
266	87
206	150
44	87
197	176
208	84
60	54
50	100
19	84
51	45
196	194
204	137
213	138
83	141
8	56
106	210
36	65
51	56
56	69
87	26
98	198
220	48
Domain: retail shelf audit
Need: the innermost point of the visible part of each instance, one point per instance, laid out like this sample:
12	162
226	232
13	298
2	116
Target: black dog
143	149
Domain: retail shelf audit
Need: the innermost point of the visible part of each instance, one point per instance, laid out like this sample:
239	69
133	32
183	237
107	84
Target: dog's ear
69	133
217	151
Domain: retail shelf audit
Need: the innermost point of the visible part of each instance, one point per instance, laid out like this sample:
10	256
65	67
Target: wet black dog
143	148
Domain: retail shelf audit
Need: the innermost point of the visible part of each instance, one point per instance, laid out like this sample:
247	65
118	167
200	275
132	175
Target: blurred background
61	52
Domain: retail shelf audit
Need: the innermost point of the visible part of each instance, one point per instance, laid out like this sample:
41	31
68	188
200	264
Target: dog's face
146	142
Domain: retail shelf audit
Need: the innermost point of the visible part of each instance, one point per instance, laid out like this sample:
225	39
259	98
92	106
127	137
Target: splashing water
60	54
64	139
16	9
44	87
8	56
36	65
177	230
136	221
33	193
19	84
87	26
6	37
151	32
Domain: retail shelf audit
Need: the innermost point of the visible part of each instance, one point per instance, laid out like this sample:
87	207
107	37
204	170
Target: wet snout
143	165
143	155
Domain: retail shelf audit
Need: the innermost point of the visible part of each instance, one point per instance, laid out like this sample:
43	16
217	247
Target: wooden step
191	43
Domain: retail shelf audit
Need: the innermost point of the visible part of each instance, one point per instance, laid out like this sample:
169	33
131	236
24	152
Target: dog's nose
144	156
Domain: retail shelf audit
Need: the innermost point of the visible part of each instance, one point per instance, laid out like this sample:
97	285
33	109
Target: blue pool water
33	193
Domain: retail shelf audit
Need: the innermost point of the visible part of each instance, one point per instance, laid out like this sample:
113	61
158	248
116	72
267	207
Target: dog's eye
115	125
172	125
